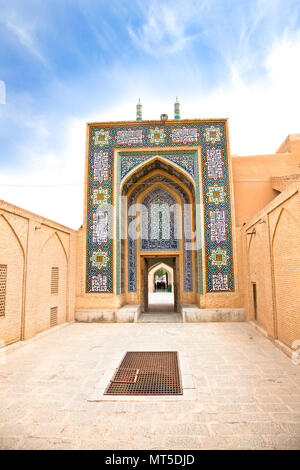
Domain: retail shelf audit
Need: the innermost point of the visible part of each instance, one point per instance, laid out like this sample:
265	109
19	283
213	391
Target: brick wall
52	255
30	246
286	259
272	261
257	286
12	258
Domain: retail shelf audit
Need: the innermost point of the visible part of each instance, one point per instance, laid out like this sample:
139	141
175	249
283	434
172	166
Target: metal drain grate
147	373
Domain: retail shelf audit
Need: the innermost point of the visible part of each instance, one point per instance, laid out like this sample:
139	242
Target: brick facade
272	262
30	246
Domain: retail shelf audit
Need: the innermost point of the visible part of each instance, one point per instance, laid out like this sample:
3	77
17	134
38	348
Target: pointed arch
156	267
55	234
155	163
12	258
186	226
182	179
282	211
286	272
170	198
165	188
160	265
15	234
171	179
53	270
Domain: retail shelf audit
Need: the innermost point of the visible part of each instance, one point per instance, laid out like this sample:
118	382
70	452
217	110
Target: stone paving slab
247	392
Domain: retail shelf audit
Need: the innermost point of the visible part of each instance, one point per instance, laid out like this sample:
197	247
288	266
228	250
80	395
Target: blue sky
66	62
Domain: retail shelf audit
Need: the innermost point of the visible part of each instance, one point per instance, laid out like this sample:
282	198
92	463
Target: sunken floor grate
147	373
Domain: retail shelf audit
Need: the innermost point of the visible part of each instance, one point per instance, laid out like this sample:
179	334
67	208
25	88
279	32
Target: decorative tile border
184	159
208	136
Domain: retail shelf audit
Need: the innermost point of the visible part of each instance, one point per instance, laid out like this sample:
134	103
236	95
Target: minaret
176	109
139	111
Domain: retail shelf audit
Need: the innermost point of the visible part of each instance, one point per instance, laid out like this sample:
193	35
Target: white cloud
164	29
262	112
52	184
27	40
283	62
2	92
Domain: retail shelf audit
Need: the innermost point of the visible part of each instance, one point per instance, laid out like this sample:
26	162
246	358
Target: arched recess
184	191
154	164
166	235
257	279
12	259
154	269
52	255
286	269
172	175
170	242
55	234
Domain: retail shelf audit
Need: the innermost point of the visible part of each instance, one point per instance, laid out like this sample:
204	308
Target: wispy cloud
52	184
2	92
27	40
164	30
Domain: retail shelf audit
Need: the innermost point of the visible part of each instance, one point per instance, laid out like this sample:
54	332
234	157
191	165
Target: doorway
159	284
161	281
254	292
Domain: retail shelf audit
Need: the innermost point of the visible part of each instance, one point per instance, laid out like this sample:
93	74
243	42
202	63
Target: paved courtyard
247	391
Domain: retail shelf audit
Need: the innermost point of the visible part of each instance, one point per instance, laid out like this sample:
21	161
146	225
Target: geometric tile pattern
209	137
217	212
159	221
184	159
171	243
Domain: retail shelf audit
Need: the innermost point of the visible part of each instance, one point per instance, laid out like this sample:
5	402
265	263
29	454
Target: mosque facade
162	194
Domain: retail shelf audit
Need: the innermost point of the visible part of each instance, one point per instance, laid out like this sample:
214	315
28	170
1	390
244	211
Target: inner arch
155	164
163	178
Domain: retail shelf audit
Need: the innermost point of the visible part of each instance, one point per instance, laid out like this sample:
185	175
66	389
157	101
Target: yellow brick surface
30	246
13	257
272	261
286	258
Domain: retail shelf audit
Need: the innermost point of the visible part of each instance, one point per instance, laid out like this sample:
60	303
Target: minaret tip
139	111
176	109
